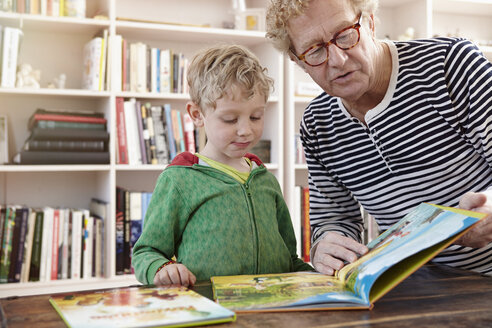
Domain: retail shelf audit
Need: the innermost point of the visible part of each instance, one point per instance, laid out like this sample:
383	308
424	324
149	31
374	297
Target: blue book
170	135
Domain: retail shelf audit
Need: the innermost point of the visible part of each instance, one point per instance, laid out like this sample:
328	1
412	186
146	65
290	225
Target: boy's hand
174	274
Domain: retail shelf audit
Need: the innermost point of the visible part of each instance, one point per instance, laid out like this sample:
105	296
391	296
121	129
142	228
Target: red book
54	250
64	118
306	226
189	130
121	132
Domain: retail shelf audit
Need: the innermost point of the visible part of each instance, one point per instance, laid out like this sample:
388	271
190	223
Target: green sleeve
287	232
164	223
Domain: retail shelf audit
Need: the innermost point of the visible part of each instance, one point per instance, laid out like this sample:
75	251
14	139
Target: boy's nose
244	129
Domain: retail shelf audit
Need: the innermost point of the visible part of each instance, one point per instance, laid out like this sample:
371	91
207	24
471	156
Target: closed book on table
68	134
62	157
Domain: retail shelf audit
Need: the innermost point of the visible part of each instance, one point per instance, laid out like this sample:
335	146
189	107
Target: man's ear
195	113
372	25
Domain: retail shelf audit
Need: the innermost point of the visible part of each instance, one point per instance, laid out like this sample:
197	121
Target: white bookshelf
465	18
54	45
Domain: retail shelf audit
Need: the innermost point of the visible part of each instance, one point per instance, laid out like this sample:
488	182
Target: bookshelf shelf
62	40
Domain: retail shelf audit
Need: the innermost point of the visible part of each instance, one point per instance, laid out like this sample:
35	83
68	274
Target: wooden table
434	296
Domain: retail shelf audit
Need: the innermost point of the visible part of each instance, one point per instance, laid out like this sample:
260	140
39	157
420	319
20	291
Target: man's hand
481	234
174	274
333	250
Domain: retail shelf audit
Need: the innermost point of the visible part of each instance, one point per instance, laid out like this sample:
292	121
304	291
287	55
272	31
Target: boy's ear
195	113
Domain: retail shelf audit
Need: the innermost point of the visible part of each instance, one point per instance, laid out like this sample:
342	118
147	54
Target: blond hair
279	12
217	69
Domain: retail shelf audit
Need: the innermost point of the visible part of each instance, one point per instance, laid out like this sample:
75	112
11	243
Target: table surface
433	296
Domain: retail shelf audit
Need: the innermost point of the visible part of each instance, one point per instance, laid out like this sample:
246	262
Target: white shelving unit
465	18
54	45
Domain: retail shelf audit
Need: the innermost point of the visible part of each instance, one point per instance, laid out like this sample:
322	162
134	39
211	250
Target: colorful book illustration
392	257
139	307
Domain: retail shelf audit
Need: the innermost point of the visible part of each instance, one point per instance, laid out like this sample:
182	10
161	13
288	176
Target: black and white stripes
430	139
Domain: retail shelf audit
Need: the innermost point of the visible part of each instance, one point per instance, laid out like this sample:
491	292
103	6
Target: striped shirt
429	140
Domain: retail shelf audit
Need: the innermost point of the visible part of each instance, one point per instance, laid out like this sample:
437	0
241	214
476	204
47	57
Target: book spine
170	133
87	250
160	134
55	245
36	247
121	132
306	226
127	231
135	219
68	134
189	131
120	230
15	244
165	71
3	212
149	130
7	244
26	260
67	118
24	213
92	59
64	145
140	130
145	134
76	256
69	125
65	157
64	245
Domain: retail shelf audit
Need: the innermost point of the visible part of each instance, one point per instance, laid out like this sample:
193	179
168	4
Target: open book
139	307
392	257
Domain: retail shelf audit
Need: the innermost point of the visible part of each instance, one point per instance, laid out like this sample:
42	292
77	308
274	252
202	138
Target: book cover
165	71
55	245
132	138
92	56
88	239
139	307
63	157
392	257
45	124
21	218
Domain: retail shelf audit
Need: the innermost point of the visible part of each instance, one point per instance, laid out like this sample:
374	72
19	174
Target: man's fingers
472	200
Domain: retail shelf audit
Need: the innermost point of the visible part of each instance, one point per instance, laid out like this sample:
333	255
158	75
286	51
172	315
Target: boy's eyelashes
234	120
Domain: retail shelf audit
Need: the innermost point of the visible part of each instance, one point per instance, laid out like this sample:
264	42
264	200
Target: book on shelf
138	307
143	135
8	233
87	244
122	146
76	249
92	61
296	217
36	118
160	130
165	71
62	157
148	125
120	230
189	132
393	256
171	141
177	128
127	260
132	135
38	133
99	209
305	225
26	260
4	140
11	40
65	145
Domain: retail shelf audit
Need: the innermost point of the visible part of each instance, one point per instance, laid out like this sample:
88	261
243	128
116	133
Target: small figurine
27	77
58	82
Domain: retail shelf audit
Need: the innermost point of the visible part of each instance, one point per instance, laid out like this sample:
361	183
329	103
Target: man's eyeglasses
344	39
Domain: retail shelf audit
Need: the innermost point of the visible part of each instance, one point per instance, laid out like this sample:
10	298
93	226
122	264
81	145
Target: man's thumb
472	200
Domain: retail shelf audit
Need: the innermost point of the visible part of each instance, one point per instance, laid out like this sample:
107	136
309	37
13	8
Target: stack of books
64	137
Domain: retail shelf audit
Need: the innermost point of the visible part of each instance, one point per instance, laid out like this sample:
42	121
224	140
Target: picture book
139	307
392	257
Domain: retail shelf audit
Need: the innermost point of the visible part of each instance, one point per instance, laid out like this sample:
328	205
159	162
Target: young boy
219	212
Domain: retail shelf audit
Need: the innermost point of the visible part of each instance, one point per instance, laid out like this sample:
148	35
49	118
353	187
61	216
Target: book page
306	290
426	226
